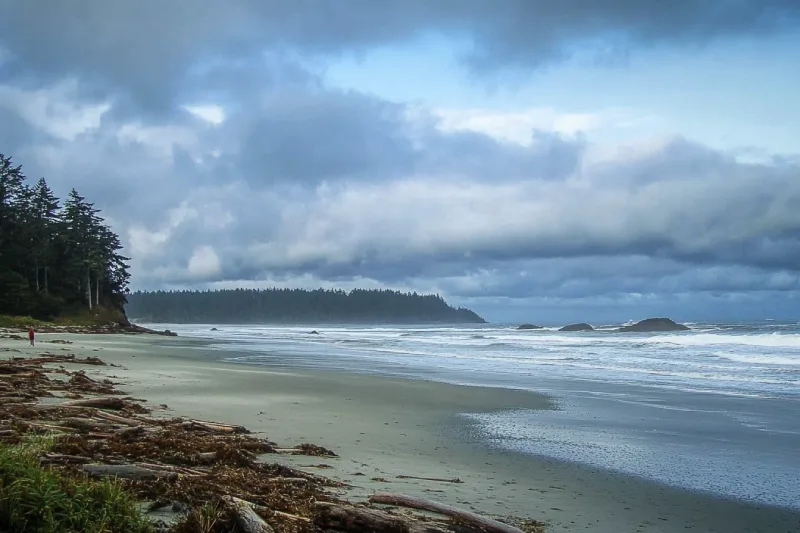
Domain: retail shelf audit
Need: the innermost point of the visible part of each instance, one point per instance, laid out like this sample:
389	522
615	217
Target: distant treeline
55	258
298	306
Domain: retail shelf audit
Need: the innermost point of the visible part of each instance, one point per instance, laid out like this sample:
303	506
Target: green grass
38	499
100	316
7	321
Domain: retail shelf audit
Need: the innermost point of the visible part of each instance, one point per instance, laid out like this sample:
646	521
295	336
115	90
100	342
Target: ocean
714	409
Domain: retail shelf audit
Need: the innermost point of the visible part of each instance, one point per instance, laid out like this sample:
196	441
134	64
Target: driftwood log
465	517
115	418
246	517
172	469
85	424
113	403
215	427
442	480
126	471
60	458
354	519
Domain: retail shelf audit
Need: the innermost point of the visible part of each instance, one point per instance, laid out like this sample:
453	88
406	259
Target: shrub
38	499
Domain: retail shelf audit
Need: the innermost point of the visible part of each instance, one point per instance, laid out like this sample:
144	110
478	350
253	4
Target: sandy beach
383	428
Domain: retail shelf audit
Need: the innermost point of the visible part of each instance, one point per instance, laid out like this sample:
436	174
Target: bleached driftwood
114	403
442	480
466	517
354	519
125	471
246	518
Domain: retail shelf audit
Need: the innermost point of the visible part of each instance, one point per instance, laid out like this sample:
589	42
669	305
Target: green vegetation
97	317
20	322
282	306
55	260
38	499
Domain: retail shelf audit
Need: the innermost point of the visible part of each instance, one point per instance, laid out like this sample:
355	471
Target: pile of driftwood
184	464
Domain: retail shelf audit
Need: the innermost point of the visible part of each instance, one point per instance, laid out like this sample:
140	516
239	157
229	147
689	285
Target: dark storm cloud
312	136
613	276
15	132
323	135
145	51
550	155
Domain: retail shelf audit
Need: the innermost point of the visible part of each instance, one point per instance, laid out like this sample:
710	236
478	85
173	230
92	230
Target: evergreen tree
295	306
82	237
13	285
53	258
47	225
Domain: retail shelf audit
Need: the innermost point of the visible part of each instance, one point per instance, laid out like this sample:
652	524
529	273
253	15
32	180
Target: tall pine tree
53	258
47	220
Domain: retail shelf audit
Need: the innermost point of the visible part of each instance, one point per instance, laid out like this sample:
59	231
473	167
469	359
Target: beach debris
246	517
358	519
308	450
441	480
113	403
213	475
124	471
465	517
215	427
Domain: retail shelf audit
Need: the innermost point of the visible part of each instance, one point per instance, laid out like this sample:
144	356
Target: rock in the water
214	329
315	332
654	324
577	327
529	326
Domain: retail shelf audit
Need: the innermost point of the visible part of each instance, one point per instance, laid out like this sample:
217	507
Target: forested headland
56	259
294	306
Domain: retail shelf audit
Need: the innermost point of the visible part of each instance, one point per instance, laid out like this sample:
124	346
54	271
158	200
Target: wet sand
384	427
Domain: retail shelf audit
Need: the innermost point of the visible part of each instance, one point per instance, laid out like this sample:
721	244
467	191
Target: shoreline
385	427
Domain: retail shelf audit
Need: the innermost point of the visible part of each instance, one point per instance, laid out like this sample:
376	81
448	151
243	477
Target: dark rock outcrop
577	327
529	326
654	325
315	332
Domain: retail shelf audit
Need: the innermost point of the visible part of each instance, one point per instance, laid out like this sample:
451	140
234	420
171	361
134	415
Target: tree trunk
113	402
125	471
36	266
46	286
89	287
466	517
97	293
357	519
246	518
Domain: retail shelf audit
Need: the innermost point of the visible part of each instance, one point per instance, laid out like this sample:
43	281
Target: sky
534	160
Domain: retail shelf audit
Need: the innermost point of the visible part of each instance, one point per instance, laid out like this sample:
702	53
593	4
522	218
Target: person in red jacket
31	334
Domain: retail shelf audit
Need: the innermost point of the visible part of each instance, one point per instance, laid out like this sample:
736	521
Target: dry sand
383	427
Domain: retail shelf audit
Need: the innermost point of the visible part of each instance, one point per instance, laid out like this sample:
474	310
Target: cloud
224	159
135	54
204	263
341	186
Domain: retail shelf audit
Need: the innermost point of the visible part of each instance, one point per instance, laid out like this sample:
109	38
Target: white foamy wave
761	359
739	359
771	340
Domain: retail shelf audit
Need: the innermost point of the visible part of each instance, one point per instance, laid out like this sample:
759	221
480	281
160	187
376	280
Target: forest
294	306
55	259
